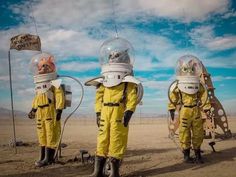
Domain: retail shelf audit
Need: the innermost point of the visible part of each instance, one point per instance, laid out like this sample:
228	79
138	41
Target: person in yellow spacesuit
189	93
47	107
115	102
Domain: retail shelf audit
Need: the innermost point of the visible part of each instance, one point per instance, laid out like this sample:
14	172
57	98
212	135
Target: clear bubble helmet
188	65
116	58
188	70
43	67
116	50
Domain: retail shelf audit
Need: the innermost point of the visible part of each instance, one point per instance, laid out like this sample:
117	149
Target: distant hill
5	113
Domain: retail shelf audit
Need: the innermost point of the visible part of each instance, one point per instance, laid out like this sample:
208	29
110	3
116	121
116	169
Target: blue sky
160	31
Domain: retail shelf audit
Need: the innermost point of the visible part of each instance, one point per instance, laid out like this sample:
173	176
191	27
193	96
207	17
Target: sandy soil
150	152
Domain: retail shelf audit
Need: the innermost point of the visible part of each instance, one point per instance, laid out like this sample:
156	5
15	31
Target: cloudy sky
160	31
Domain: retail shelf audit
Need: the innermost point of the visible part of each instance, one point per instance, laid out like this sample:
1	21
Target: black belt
43	106
186	106
111	104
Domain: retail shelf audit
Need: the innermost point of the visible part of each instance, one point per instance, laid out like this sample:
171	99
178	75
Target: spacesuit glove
172	114
31	114
127	117
58	116
98	114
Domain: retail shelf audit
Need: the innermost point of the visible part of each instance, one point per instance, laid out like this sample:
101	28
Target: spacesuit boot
49	154
98	167
187	158
51	157
42	155
115	164
198	159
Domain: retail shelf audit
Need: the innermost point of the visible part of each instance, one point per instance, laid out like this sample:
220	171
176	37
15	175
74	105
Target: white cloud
204	37
222	43
183	10
79	66
4	78
69	42
160	85
223	78
219	62
229	14
75	14
71	13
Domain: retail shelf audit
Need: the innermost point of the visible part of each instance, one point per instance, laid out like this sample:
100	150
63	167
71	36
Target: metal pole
12	106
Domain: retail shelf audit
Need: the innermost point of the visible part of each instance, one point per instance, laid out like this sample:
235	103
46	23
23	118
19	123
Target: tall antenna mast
114	18
33	18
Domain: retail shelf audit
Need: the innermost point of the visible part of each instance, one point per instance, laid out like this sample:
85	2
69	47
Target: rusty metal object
217	117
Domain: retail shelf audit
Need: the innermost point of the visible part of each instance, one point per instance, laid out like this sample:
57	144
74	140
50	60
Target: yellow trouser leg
103	133
198	132
118	134
41	131
51	133
185	128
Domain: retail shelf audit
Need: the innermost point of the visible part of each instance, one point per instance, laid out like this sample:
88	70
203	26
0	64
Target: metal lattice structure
217	119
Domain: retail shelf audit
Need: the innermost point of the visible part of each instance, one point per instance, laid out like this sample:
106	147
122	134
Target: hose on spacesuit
64	123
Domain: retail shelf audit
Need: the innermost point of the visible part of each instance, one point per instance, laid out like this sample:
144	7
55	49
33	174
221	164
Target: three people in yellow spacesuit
116	100
47	106
191	95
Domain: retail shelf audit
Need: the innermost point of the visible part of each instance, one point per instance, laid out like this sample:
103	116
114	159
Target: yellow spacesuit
190	94
117	95
48	127
190	117
47	106
113	135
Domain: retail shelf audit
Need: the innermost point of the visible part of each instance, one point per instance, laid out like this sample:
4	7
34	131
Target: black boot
98	167
42	155
187	158
47	159
51	157
198	158
115	165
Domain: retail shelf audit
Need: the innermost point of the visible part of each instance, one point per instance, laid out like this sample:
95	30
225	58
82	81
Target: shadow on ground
77	169
58	171
139	152
210	159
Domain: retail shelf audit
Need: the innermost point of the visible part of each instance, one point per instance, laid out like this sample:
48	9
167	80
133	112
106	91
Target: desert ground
150	151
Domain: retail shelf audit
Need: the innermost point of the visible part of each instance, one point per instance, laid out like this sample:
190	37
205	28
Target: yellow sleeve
174	96
203	97
34	102
99	98
131	97
59	98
